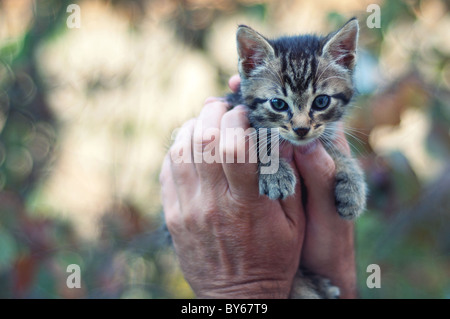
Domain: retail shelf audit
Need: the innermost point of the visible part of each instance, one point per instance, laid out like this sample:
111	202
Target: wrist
252	290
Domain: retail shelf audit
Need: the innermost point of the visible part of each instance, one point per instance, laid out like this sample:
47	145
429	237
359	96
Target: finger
293	208
169	197
234	82
292	205
168	187
241	170
317	169
340	141
206	141
213	99
181	162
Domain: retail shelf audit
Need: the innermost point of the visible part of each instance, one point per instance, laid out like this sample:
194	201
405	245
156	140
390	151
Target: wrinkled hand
231	242
234	243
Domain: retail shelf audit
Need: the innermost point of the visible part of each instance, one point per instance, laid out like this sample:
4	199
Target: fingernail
308	148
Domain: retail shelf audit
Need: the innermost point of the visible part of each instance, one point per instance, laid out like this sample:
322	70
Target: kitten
302	85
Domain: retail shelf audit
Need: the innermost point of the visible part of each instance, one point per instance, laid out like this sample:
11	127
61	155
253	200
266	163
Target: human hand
328	247
231	242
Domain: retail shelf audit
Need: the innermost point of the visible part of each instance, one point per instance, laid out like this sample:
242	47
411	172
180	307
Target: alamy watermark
233	145
374	279
374	19
74	19
74	279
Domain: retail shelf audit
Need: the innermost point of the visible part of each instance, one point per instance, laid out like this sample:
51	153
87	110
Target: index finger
235	144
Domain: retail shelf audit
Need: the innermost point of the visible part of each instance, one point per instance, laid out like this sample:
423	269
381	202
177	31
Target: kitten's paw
332	292
278	185
350	193
311	286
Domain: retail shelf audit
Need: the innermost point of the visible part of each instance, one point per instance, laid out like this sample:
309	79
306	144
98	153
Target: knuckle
205	138
239	112
176	153
234	146
180	152
172	222
180	170
228	149
190	123
228	116
197	139
185	131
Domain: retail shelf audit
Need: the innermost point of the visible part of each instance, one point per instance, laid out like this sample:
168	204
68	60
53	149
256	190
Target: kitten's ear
253	49
341	45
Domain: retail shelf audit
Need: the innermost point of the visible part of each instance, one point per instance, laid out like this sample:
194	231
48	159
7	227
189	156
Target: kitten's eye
321	102
279	104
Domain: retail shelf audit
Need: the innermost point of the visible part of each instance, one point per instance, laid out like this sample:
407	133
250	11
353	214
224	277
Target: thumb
292	205
317	169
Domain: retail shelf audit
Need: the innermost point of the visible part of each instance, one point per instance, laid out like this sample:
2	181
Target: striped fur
295	69
298	69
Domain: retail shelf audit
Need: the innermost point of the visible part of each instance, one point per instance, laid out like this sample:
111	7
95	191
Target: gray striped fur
297	69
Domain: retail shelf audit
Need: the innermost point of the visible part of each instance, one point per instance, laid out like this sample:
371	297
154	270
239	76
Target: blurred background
86	116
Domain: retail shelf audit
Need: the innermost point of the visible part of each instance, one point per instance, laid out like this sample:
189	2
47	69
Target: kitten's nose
301	131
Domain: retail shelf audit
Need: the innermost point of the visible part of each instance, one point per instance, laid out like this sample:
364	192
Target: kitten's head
300	84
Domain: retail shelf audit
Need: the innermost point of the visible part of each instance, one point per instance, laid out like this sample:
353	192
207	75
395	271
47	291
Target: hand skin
233	243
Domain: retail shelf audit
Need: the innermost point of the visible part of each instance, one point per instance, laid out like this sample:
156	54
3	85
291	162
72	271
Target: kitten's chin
305	142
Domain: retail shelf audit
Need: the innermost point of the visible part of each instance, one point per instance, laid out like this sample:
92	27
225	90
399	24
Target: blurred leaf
258	11
8	249
24	272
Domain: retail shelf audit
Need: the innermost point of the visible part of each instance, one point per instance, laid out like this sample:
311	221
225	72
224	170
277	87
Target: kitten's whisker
354	137
327	145
261	147
356	130
258	144
340	140
329	140
348	131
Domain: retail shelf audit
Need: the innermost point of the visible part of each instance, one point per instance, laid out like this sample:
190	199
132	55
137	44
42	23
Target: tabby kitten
302	85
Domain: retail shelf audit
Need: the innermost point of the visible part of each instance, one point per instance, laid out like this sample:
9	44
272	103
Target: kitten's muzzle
302	131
